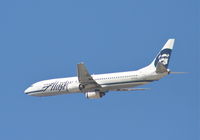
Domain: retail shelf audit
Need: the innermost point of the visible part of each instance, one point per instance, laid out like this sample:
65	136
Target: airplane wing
85	78
130	89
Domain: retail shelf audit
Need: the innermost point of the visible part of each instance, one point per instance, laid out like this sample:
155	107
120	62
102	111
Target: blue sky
46	39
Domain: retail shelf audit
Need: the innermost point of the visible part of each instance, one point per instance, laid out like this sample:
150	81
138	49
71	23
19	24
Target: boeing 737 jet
96	86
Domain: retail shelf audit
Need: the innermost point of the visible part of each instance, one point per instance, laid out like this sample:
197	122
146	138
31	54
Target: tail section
161	61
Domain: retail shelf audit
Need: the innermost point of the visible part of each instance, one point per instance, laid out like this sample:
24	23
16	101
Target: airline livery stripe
34	91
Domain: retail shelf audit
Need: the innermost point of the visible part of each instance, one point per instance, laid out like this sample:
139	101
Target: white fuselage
108	82
95	86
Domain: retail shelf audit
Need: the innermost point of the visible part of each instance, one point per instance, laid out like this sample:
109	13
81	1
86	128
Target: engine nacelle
94	95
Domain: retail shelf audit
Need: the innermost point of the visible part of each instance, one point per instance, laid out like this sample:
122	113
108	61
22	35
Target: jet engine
94	95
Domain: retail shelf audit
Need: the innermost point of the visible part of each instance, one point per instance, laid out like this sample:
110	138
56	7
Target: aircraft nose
27	90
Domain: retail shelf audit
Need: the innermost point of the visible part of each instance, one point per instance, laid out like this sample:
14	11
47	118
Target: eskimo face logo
163	57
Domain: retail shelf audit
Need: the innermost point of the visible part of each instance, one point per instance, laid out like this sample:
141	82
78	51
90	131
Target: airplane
96	86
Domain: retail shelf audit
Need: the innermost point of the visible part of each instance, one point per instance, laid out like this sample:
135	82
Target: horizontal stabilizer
171	72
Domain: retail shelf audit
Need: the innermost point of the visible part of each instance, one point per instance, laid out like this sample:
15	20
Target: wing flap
130	89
